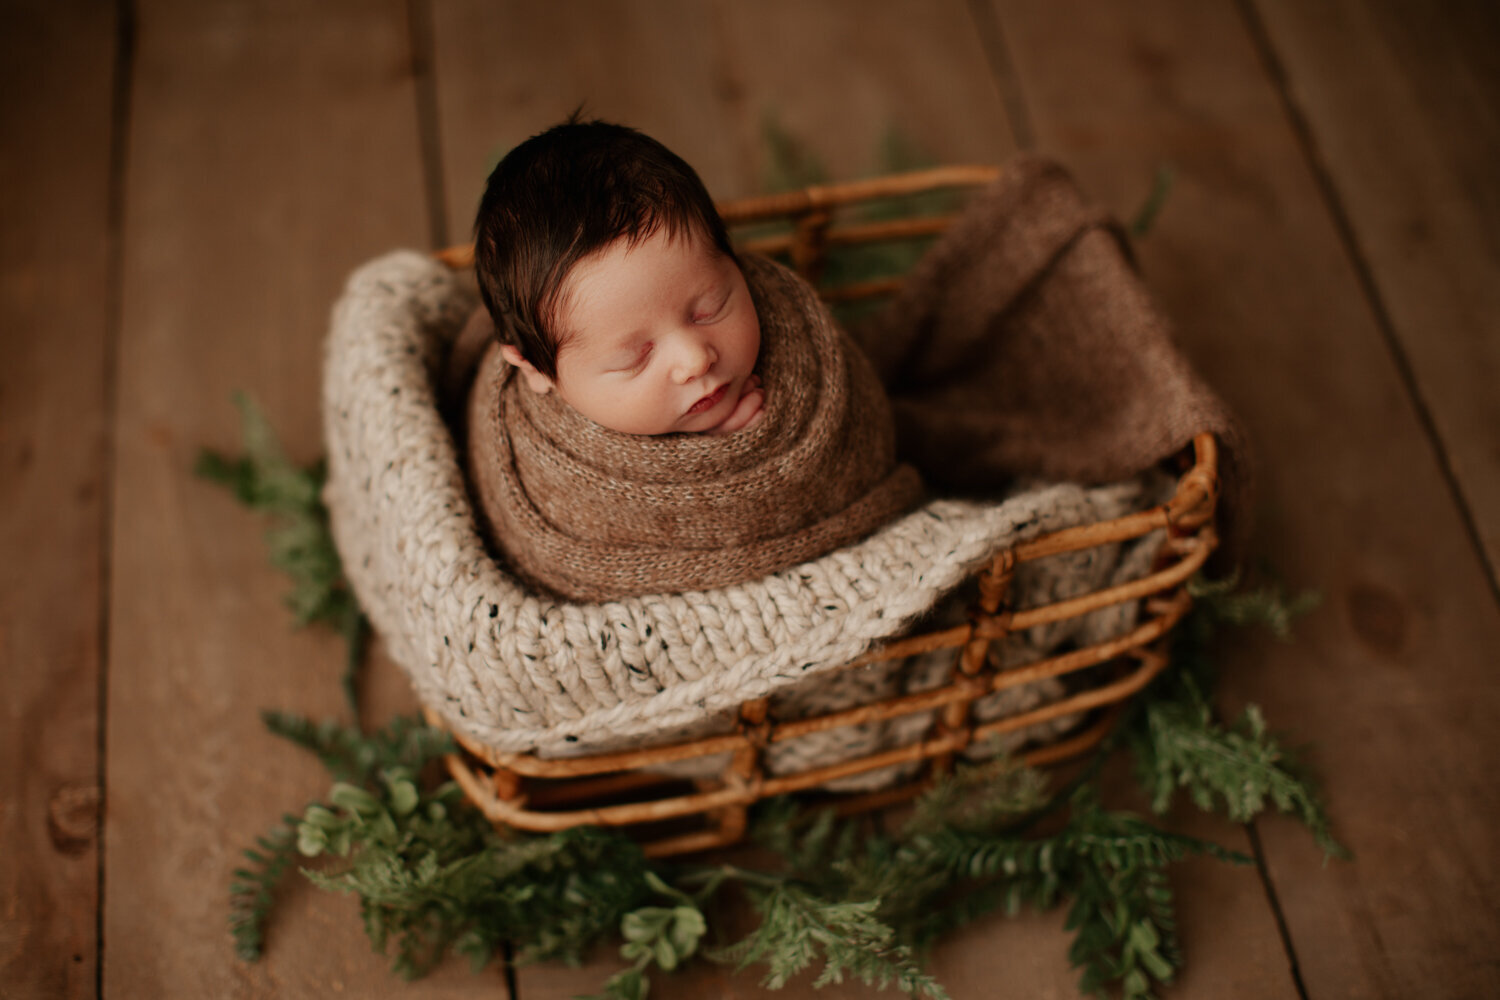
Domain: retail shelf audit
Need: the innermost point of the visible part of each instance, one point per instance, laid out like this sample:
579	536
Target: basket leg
745	768
994	587
507	783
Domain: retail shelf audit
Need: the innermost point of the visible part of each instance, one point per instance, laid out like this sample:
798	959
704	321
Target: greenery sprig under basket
434	875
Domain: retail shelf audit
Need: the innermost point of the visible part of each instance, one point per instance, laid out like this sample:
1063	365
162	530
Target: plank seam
121	93
508	956
1003	70
423	50
1282	929
1364	273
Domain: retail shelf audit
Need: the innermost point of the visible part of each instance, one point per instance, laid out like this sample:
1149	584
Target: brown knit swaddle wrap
592	514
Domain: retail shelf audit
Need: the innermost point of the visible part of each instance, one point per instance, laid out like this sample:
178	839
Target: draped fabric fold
1024	343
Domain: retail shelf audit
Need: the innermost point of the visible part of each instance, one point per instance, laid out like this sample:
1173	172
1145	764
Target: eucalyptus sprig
665	936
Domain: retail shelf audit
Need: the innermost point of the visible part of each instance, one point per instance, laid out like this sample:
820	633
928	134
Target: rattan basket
629	788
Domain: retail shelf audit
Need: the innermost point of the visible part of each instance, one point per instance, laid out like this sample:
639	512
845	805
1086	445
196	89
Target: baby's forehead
663	267
625	251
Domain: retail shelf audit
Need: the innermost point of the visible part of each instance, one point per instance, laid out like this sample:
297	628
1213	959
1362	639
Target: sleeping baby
622	296
657	413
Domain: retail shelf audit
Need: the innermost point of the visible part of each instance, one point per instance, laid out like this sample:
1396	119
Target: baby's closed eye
632	362
713	312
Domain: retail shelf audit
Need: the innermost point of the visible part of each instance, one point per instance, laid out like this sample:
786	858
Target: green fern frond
350	755
1270	605
299	540
252	892
979	796
1237	769
798	928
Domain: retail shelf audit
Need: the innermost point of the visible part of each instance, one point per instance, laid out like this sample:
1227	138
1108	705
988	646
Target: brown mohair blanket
590	514
1024	343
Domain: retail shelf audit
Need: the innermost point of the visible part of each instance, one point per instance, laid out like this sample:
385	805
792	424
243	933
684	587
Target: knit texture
591	514
517	670
1023	343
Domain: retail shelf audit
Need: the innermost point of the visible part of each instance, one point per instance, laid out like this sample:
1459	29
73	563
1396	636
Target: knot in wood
73	818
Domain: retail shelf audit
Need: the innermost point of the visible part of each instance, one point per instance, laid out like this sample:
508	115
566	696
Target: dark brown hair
559	197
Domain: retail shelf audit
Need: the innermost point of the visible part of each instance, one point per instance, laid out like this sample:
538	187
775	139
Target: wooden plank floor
185	182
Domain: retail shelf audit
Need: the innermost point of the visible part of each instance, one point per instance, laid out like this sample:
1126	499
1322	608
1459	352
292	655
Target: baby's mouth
708	402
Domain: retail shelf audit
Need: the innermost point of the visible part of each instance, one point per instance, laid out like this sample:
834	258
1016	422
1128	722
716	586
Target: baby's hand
749	409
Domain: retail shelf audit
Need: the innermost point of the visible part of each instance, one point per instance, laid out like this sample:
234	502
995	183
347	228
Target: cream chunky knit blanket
1024	339
518	671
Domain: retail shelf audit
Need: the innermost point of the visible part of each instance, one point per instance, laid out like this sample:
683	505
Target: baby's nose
695	356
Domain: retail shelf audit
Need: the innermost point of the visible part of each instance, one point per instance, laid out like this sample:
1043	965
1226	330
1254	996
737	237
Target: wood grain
507	70
845	78
272	149
1390	681
56	89
1400	102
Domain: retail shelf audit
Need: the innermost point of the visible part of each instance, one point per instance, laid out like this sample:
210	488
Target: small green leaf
666	955
356	800
628	985
688	926
321	817
655	882
1157	965
633	927
1143	936
311	840
404	797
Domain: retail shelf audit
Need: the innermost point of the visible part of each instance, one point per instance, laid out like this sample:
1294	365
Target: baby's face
658	338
